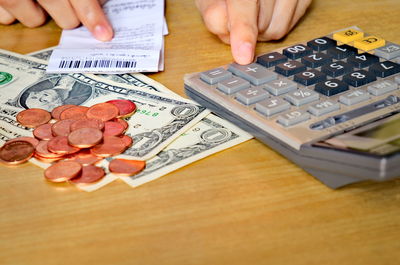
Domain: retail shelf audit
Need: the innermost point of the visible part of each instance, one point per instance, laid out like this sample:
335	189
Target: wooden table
245	205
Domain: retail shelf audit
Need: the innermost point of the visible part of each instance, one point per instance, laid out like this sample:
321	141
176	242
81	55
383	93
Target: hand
242	22
67	14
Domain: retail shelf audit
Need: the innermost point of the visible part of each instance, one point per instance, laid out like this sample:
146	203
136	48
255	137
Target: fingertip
103	32
243	52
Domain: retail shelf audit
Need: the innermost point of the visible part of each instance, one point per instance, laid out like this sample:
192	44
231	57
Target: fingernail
102	33
244	53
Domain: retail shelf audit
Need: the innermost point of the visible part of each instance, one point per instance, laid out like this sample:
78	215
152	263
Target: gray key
280	86
389	51
397	79
323	107
382	87
293	117
272	106
354	97
215	75
233	85
251	95
302	96
255	73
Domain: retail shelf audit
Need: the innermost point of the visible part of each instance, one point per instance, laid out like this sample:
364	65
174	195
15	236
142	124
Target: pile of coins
74	138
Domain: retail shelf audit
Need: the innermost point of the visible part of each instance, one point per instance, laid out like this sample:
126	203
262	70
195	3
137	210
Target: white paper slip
137	46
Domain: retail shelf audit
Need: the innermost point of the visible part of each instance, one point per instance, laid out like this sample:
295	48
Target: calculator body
295	99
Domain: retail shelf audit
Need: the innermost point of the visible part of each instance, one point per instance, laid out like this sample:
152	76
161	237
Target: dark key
362	60
321	44
309	77
336	69
331	87
271	59
316	60
385	68
341	52
290	68
359	78
297	51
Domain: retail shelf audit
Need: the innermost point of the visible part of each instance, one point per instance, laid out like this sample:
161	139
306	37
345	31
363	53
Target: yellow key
348	35
369	43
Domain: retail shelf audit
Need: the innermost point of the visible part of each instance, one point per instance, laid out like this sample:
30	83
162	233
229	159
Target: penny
87	123
84	157
75	112
123	122
16	152
47	159
127	140
31	140
43	132
32	118
62	171
85	137
59	145
113	128
56	112
126	107
62	127
126	167
112	145
89	175
42	150
102	111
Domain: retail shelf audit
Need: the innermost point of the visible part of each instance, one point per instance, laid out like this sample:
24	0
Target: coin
113	128
56	112
112	145
127	140
62	127
43	132
32	118
125	107
102	111
42	150
16	152
87	123
75	112
123	122
31	140
62	171
85	137
47	159
89	175
84	157
126	167
59	145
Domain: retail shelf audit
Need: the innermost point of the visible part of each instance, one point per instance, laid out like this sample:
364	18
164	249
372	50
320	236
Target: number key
362	60
321	44
359	78
337	69
290	68
297	51
331	87
316	60
341	52
309	77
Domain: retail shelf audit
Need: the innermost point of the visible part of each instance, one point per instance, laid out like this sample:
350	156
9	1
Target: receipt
137	46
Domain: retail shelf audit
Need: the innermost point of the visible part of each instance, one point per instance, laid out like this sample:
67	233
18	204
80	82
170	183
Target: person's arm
66	13
241	23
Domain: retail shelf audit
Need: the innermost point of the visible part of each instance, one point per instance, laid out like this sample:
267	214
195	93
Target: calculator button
384	69
382	87
254	73
337	69
293	117
271	59
331	87
321	44
369	43
301	96
348	35
280	86
215	75
324	107
272	106
309	77
290	68
233	85
359	78
341	52
362	60
297	51
389	51
354	97
316	60
251	95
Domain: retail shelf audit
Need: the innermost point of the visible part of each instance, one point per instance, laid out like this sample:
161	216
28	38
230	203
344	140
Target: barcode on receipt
74	64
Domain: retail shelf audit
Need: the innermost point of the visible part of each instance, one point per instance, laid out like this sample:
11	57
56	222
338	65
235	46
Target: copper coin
113	128
84	157
60	145
125	107
126	167
102	111
123	122
127	140
87	123
85	137
17	152
31	140
75	112
56	112
43	132
42	150
90	174
112	145
62	127
32	118
47	159
62	171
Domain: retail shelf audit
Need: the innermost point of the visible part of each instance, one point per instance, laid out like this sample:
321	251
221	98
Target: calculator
330	104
